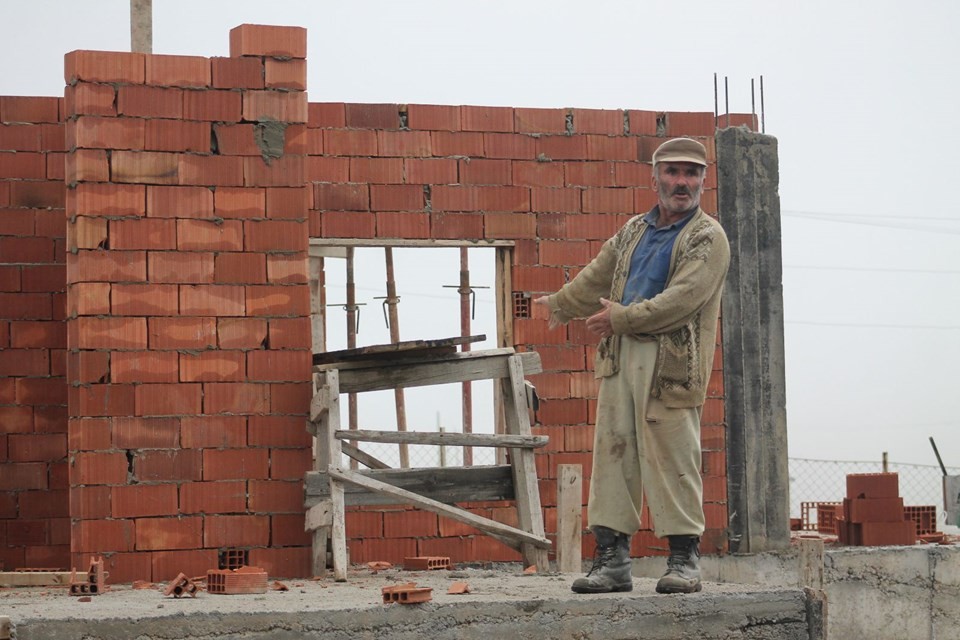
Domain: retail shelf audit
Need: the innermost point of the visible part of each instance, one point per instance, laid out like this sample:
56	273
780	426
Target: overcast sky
860	95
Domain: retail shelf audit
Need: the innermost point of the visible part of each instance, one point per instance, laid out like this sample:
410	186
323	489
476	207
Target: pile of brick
873	512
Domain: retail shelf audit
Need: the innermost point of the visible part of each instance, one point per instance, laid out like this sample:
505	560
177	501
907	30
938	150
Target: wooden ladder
330	487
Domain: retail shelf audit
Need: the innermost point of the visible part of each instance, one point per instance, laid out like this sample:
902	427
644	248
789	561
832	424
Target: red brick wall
34	517
558	182
189	329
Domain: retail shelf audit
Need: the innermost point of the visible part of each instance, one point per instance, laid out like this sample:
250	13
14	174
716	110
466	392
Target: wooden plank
34	578
401	242
327	252
338	533
319	515
362	457
472	365
448	485
569	518
483	524
529	515
403	350
446	439
321	459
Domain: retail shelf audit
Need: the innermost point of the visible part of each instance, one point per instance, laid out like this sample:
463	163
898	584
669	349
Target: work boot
683	566
611	570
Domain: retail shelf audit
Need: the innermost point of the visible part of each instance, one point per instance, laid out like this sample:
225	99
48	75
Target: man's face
679	186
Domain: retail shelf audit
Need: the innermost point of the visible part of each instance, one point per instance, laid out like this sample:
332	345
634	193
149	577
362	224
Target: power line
876	221
871	269
856	325
835	214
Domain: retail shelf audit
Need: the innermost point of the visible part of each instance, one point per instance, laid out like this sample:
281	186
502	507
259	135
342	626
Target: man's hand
544	301
599	323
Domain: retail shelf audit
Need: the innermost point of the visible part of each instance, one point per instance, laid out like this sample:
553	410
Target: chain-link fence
813	481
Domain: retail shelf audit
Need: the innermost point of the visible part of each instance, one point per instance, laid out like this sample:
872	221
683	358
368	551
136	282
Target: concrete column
753	356
141	26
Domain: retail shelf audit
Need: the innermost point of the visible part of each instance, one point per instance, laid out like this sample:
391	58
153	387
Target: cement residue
269	136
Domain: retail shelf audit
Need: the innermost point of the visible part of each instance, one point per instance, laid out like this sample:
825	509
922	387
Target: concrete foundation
500	605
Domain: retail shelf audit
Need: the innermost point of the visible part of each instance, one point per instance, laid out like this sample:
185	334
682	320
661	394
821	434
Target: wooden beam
34	578
362	457
569	518
446	439
448	485
483	524
400	242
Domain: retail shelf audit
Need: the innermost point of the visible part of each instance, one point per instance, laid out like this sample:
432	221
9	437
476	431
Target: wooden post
811	563
351	341
141	26
394	320
569	518
467	406
331	424
321	462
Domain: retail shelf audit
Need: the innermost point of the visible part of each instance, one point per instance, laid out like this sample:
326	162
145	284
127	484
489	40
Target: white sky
861	96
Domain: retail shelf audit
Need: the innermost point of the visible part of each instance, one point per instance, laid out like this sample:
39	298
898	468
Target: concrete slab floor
503	603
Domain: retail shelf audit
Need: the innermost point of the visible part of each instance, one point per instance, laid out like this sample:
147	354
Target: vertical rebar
726	97
716	104
763	123
464	291
886	463
753	107
394	319
351	341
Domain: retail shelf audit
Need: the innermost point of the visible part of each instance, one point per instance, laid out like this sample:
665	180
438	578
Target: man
652	295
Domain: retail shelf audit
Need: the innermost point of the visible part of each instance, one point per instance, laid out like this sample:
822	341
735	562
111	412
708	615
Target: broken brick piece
93	583
279	586
180	585
530	570
457	588
379	565
426	563
408	593
234	581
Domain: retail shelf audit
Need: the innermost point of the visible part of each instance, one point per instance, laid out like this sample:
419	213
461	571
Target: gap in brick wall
426	280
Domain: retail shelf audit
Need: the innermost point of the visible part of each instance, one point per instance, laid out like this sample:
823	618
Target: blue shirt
650	262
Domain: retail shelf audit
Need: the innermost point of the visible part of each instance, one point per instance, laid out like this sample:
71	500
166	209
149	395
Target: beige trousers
642	448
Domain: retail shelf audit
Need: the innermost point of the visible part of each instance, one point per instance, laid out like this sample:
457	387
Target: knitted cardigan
682	318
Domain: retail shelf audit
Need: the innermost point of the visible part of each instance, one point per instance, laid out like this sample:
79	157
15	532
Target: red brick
632	174
87	233
404	143
99	468
482	171
35	194
562	147
211	300
287	171
322	169
213	497
510	146
602	121
27	166
90	99
540	120
101	66
240	268
690	124
372	116
327	114
237	73
288	530
181	333
265	40
140	366
212	366
27	306
213	235
350	142
149	102
430	170
348	224
168	399
28	109
474	118
274	235
509	225
143	300
36	447
236	531
277	301
177	135
202	432
396	197
144	500
106	133
589	174
599	200
481	198
179	202
175	266
610	148
87	165
177	71
90	503
34	334
88	366
289	562
145	433
433	117
446	143
236	140
376	170
91	536
167	465
278	366
235	464
643	123
645	199
144	167
873	485
291	398
286	74
169	533
273	496
141	234
402	225
241	333
290	464
217	171
19	137
456	225
565	253
283	268
283	106
288	333
236	398
212	105
232	202
288	202
25	362
166	565
111	333
107	200
410	523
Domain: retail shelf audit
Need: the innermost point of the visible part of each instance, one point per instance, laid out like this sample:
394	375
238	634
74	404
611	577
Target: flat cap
681	150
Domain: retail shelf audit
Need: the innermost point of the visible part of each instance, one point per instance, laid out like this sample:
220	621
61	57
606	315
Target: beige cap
681	150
